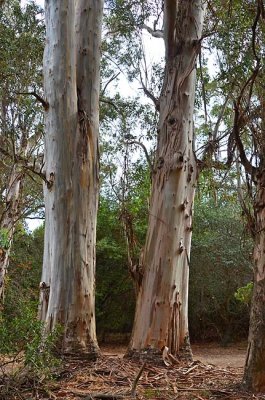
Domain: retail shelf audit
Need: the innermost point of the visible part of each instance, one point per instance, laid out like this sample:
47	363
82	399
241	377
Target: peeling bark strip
161	317
71	81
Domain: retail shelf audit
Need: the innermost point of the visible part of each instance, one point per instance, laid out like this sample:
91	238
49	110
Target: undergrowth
27	357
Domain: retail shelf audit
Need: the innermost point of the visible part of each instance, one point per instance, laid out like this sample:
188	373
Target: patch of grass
152	393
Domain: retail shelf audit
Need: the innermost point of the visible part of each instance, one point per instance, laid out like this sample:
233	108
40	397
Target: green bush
17	328
20	330
244	293
4	239
40	354
24	333
220	264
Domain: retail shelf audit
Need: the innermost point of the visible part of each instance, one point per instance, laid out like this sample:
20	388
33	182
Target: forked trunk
8	222
254	377
71	78
161	317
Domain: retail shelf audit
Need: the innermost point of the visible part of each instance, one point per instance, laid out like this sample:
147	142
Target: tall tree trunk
161	317
71	79
12	207
8	221
254	373
254	376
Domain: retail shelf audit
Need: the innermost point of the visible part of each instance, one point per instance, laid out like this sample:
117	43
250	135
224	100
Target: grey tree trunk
71	80
8	221
12	209
161	317
254	376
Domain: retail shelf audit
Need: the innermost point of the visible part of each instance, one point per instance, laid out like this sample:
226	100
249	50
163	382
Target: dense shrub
220	264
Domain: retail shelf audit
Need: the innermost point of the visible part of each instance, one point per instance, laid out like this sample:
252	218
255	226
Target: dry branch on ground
114	378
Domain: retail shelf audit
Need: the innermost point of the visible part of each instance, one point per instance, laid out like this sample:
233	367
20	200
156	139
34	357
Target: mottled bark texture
161	317
254	377
71	81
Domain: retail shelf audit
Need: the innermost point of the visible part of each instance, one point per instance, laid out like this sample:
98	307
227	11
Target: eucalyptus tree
241	77
161	317
71	84
20	120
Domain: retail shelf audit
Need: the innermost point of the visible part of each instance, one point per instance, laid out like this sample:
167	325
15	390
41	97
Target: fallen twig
133	391
105	396
191	369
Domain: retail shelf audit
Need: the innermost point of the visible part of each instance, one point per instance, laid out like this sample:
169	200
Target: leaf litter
112	377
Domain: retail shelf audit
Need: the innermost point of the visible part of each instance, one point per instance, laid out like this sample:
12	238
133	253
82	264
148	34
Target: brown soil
215	374
207	353
230	356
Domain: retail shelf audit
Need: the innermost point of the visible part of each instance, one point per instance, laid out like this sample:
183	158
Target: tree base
76	351
149	355
154	356
88	356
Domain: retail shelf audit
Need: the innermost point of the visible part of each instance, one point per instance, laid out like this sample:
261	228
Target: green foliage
21	48
244	293
220	264
17	327
20	330
113	281
40	354
152	393
4	239
24	333
18	315
25	266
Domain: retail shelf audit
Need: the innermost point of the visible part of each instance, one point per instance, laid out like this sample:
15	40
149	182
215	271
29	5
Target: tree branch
32	168
43	102
112	78
170	11
110	102
24	164
203	87
212	144
157	33
254	28
152	97
145	152
220	117
138	376
244	160
149	94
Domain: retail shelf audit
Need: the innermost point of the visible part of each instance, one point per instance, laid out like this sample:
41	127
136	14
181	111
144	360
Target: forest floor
215	373
208	353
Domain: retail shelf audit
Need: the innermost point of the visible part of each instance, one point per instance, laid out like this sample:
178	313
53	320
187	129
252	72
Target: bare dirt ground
230	356
215	374
207	353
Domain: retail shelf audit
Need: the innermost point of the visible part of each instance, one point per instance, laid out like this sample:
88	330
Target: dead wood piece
102	371
105	396
133	391
168	358
190	369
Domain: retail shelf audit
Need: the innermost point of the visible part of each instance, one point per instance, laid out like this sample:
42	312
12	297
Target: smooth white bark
71	78
161	317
